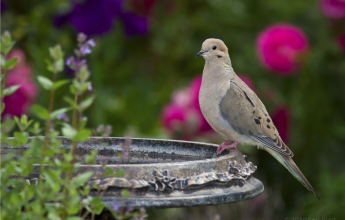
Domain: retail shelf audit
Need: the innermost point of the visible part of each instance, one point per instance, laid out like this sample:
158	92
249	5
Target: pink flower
281	119
181	122
333	8
194	89
19	102
279	47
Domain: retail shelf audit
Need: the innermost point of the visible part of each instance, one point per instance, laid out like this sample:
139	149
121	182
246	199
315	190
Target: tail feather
290	165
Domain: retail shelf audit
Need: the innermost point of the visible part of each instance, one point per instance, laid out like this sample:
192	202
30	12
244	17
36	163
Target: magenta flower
182	117
279	47
281	119
342	41
194	89
333	8
180	122
19	102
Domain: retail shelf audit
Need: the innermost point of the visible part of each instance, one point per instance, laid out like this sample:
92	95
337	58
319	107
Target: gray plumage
235	112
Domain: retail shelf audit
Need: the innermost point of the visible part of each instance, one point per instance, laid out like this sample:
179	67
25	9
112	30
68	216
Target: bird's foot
227	145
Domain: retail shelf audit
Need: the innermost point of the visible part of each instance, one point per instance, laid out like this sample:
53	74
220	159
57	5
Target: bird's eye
214	47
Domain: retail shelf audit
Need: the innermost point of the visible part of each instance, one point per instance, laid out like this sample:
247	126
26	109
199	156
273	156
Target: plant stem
50	109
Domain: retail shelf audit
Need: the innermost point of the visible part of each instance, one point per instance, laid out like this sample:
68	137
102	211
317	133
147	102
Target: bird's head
213	49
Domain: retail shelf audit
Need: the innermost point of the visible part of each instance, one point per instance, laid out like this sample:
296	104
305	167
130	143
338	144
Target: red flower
279	47
19	102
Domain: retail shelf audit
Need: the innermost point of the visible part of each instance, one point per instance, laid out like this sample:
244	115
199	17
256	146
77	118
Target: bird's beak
200	53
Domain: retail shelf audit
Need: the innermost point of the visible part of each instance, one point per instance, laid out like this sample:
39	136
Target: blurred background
145	76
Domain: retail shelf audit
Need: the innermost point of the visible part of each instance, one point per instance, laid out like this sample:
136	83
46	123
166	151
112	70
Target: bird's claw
226	145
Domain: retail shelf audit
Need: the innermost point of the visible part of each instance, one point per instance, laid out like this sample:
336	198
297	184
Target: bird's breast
210	96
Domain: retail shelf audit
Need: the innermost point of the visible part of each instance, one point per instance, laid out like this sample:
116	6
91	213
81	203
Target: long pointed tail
290	165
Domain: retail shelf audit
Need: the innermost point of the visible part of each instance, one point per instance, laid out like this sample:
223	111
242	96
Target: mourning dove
236	113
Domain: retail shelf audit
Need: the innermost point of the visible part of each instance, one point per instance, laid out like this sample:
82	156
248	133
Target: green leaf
10	90
97	205
11	63
58	112
95	185
119	173
71	102
74	218
49	65
24	119
21	137
58	84
2	48
9	47
59	65
2	107
83	87
6	38
125	193
72	89
87	102
82	135
68	132
52	178
81	178
45	82
56	52
40	112
68	157
108	171
2	64
16	119
83	122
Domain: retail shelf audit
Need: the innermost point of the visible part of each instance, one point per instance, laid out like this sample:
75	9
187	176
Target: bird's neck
218	70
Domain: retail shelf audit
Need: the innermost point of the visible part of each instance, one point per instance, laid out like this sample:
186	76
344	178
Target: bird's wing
248	116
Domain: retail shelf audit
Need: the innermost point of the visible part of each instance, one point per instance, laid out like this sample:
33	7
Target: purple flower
97	17
89	87
94	17
2	6
81	38
134	24
116	206
85	49
63	116
91	42
70	61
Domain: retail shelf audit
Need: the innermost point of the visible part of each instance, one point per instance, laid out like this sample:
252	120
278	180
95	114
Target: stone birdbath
166	173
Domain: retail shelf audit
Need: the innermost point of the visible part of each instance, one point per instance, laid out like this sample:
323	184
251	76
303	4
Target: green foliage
54	192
